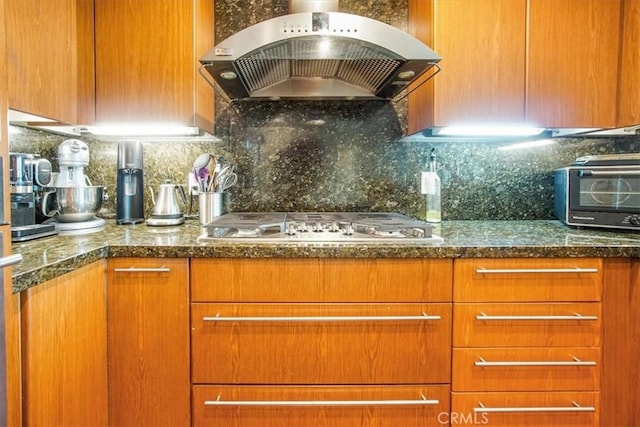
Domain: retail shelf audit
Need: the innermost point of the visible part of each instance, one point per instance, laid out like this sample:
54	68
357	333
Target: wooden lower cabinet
320	406
530	409
64	350
527	341
148	342
320	342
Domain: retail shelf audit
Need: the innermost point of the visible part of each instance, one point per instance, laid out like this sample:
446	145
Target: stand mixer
76	200
73	156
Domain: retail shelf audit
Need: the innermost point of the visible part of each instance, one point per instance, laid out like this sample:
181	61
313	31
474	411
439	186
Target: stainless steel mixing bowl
73	204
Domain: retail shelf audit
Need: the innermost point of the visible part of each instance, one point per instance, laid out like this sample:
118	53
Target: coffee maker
24	168
130	183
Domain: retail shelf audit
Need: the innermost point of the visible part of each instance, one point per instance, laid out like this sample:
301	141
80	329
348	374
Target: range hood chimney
318	53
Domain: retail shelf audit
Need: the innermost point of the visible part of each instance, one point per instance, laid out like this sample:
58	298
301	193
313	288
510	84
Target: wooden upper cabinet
573	62
50	58
551	63
147	55
629	106
483	49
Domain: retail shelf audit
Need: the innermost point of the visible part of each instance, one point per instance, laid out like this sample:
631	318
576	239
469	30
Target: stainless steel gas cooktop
321	227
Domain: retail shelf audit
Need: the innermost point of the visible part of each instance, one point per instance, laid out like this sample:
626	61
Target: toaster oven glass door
608	190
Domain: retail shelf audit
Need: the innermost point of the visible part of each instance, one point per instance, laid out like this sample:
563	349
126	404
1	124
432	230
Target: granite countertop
49	257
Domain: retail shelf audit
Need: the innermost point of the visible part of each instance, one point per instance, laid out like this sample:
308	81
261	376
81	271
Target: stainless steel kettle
166	206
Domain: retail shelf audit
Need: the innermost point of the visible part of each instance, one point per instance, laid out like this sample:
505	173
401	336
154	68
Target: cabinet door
573	62
327	406
147	55
148	315
51	58
483	49
629	107
64	350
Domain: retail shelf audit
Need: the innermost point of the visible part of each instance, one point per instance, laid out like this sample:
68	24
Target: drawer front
556	409
361	406
527	279
321	280
526	325
321	344
526	369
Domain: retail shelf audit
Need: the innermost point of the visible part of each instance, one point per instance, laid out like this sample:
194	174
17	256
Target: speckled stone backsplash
288	162
340	156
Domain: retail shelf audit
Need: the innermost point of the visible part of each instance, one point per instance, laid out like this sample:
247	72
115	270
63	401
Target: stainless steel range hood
318	55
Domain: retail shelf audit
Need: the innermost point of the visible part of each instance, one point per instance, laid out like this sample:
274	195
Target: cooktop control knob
318	227
291	230
348	230
303	228
634	220
334	227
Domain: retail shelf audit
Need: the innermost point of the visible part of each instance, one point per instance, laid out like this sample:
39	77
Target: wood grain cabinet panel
483	48
527	325
526	369
50	58
321	344
552	63
321	280
64	350
148	315
629	107
528	280
530	409
147	55
329	406
573	62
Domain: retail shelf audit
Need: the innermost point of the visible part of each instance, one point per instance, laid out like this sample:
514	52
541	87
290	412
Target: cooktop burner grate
318	227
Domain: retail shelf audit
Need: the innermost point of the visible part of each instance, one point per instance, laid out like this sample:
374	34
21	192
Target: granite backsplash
288	161
339	155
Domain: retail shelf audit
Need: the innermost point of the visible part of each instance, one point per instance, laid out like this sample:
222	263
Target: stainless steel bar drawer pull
415	402
575	408
9	260
575	316
218	318
483	270
574	362
143	270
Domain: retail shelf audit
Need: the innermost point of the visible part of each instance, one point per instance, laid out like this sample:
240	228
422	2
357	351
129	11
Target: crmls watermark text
460	418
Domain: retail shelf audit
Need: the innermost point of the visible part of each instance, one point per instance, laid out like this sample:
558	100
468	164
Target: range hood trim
272	31
413	56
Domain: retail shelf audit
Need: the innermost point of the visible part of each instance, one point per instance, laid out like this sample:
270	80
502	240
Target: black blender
130	183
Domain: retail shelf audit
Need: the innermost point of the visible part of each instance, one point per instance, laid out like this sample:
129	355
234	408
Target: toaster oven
599	191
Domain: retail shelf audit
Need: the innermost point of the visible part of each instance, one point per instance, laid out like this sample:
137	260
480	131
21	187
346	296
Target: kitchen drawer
526	369
321	344
527	324
533	409
527	279
321	280
329	406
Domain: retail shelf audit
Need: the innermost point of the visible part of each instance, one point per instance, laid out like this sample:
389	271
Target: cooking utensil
226	182
203	170
218	176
